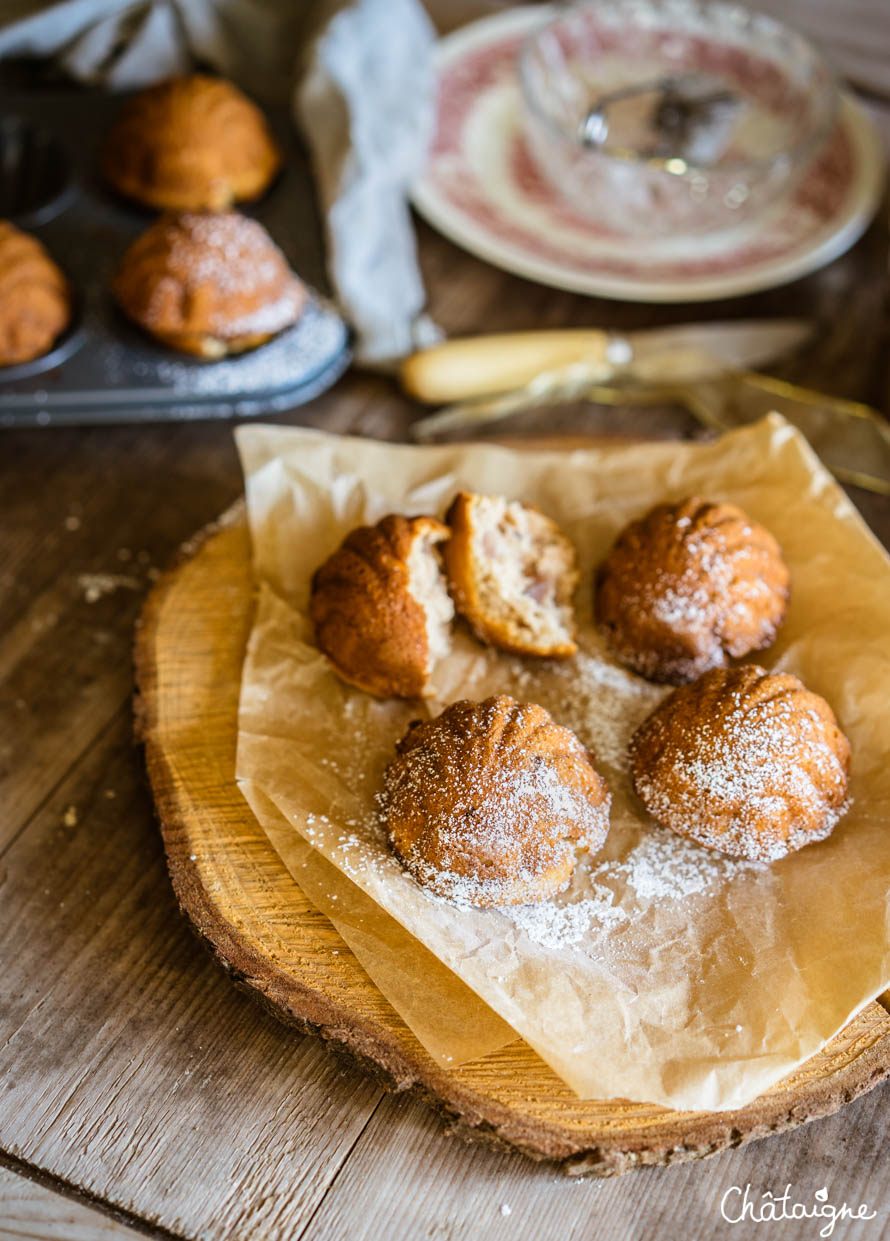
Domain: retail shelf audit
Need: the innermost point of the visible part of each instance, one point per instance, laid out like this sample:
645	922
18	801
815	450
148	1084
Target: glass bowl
617	59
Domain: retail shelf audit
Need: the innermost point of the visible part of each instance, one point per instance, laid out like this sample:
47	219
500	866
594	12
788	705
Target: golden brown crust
35	299
367	621
467	567
745	761
208	283
689	585
488	803
193	143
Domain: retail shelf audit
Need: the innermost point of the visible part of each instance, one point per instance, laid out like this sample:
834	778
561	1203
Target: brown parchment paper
452	1022
665	973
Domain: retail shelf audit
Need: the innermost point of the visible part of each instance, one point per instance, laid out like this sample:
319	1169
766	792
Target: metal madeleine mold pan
102	369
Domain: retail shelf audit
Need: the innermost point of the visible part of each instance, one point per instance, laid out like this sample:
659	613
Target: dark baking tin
102	369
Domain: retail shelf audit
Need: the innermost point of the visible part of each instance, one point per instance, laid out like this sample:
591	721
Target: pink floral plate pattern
483	190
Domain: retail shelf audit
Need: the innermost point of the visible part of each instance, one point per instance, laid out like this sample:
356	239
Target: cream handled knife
480	366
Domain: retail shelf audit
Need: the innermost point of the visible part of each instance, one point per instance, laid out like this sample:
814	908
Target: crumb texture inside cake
525	570
426	584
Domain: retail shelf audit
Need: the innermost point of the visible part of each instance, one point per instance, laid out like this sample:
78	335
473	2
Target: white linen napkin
360	79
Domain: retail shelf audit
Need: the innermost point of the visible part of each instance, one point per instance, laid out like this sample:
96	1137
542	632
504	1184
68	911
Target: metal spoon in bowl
689	117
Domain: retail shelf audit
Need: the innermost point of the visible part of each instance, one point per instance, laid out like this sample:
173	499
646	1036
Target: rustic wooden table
142	1093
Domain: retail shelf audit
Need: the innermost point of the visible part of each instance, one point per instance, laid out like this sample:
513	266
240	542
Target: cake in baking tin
189	144
35	299
208	283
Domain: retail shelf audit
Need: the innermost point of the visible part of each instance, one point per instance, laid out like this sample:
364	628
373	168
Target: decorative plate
482	189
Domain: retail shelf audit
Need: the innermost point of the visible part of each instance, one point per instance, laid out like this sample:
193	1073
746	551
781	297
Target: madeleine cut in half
512	574
380	606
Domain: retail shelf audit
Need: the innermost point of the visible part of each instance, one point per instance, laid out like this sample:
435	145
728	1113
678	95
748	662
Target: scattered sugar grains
603	704
661	867
664	866
94	586
559	926
316	337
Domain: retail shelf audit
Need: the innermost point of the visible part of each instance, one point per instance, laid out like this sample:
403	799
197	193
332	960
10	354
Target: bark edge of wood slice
235	891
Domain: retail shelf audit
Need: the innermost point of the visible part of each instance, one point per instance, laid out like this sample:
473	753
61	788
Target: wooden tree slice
232	886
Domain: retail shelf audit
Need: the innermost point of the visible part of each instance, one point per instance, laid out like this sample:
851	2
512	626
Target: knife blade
481	366
692	352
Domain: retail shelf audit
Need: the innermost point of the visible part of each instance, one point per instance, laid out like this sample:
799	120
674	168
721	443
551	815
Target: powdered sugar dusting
488	804
313	340
227	250
609	896
744	761
602	703
267	318
665	866
561	926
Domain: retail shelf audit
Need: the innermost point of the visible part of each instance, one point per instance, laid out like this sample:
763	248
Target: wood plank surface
130	1064
76	559
31	1212
458	1193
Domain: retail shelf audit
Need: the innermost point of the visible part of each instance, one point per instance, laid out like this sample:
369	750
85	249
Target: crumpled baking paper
666	973
451	1023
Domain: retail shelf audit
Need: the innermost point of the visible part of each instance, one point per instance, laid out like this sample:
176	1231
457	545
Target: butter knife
480	366
488	377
